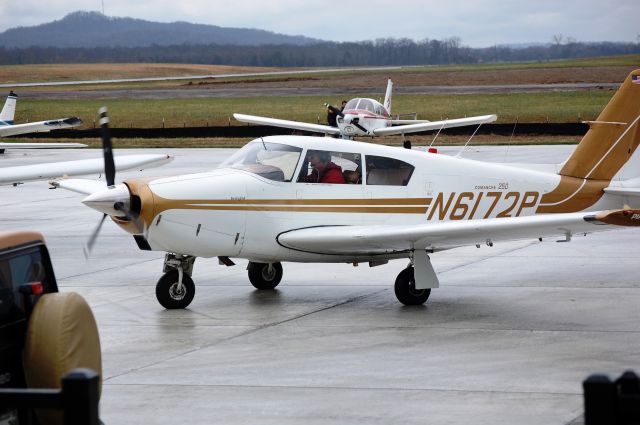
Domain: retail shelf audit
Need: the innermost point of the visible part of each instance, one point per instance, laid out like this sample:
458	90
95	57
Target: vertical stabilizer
612	138
9	110
387	95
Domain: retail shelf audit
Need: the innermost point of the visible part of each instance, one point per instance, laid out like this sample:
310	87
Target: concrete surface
507	339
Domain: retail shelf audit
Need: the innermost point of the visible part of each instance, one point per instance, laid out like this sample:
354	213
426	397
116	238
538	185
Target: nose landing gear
175	289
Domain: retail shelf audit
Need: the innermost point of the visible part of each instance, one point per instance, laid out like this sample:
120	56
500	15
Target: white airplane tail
9	110
387	95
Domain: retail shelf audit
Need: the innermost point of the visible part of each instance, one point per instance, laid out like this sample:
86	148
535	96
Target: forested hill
93	29
90	37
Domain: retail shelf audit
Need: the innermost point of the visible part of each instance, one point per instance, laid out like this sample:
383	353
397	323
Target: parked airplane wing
84	186
39	127
22	173
295	125
41	145
378	239
434	125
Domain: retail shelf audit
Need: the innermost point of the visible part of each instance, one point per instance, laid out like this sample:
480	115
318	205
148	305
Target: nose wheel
174	294
265	275
405	289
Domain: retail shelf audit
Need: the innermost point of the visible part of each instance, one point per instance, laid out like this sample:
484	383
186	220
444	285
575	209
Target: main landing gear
264	275
405	288
175	289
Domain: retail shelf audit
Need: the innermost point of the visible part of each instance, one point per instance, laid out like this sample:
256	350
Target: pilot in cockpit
323	169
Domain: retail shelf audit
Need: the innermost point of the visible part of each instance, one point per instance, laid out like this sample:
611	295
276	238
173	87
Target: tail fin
9	110
612	139
387	95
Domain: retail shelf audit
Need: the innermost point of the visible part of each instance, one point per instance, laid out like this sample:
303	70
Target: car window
335	167
385	171
17	268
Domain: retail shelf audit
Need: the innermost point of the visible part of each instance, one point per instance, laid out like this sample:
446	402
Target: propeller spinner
113	200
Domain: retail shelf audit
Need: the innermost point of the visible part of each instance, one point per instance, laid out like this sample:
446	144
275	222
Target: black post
628	385
599	400
80	397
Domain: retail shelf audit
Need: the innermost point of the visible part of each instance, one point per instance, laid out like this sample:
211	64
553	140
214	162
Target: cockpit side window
331	167
384	171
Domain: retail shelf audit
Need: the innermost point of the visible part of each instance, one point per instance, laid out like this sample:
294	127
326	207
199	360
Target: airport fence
238	131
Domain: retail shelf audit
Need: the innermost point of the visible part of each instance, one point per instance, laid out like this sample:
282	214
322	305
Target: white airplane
317	200
367	117
8	128
23	173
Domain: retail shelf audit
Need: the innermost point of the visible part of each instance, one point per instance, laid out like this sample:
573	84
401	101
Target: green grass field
143	113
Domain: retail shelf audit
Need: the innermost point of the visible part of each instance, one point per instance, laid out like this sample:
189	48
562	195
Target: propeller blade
335	110
92	239
356	123
107	148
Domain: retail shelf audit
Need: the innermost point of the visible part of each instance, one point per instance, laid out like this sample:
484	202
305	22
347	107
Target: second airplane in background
8	128
367	117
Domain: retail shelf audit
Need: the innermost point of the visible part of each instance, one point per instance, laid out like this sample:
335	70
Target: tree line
389	51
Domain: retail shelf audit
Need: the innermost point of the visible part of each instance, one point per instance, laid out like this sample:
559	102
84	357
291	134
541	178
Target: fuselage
362	116
239	210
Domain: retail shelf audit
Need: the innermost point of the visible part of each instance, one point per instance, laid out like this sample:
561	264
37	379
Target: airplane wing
398	122
22	173
39	127
434	125
381	239
41	145
295	125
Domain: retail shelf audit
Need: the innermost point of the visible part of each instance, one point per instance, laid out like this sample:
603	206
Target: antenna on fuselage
263	144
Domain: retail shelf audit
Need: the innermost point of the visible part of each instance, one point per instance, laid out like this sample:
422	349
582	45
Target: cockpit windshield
366	104
361	103
273	161
352	104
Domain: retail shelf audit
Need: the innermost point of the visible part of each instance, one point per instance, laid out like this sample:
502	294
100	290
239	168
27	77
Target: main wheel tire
262	278
170	296
405	289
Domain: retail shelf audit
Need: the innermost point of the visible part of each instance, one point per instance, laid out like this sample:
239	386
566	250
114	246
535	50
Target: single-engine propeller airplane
8	128
306	199
367	117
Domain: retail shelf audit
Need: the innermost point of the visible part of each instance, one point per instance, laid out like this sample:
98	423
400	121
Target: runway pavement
507	339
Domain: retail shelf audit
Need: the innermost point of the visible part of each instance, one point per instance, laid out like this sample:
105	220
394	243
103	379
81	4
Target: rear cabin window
382	171
331	167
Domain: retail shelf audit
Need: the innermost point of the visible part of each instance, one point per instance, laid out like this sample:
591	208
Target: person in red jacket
324	171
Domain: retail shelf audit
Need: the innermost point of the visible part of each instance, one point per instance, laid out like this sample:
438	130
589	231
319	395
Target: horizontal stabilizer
623	191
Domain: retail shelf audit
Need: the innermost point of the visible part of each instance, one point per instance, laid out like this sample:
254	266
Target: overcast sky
477	22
